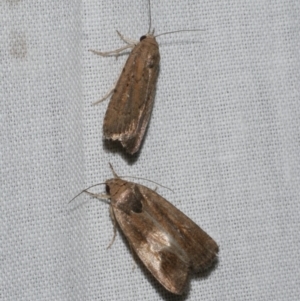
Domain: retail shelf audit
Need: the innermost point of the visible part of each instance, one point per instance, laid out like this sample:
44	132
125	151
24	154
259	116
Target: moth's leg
127	40
110	91
116	52
113	218
98	196
113	52
112	215
130	44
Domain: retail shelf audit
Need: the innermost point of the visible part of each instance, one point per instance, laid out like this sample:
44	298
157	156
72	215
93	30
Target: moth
129	110
169	244
130	107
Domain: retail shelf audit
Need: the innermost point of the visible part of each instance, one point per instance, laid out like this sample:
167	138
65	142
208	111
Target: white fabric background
224	135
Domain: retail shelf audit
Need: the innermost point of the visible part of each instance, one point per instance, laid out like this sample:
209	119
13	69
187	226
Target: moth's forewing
199	247
166	240
130	107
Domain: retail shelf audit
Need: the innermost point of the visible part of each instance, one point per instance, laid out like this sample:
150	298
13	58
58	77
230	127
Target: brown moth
130	107
129	110
169	243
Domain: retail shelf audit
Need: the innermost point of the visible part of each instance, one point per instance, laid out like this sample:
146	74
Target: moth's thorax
124	196
115	187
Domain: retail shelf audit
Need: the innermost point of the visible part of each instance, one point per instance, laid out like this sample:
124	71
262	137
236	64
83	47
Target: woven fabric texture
224	135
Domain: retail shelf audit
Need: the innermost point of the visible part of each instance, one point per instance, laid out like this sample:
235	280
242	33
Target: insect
169	243
129	110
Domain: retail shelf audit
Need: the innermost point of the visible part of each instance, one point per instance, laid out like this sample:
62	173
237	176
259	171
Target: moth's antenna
170	32
149	16
121	177
85	190
139	178
113	171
